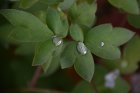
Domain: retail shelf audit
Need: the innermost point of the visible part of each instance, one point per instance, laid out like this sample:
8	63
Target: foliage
64	33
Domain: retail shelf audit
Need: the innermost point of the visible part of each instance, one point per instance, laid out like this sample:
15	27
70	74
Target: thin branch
39	90
35	78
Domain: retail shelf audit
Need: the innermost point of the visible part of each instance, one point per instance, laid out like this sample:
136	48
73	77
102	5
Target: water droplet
57	40
124	64
102	44
81	48
110	78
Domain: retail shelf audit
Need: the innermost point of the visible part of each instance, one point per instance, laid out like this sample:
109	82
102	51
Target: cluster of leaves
39	22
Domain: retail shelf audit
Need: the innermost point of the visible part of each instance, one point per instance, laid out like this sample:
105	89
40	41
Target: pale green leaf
103	40
83	13
57	22
123	36
130	6
69	55
27	21
43	52
84	66
76	33
66	4
47	64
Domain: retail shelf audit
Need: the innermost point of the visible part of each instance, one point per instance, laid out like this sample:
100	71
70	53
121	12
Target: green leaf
124	35
57	22
66	4
130	6
83	87
131	51
51	2
47	64
25	49
83	13
27	3
134	20
54	61
131	56
84	66
36	28
103	40
76	33
43	52
121	86
69	55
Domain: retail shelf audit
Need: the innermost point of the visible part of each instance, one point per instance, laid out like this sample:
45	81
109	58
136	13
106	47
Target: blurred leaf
129	61
89	1
43	52
52	2
76	33
27	3
84	66
121	86
25	49
27	22
83	87
69	55
57	23
83	13
131	51
134	20
66	4
103	40
130	6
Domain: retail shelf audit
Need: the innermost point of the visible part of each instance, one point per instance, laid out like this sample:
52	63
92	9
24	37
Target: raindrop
81	48
57	40
102	44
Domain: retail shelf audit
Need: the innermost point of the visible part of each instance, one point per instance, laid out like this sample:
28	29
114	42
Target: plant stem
35	90
35	78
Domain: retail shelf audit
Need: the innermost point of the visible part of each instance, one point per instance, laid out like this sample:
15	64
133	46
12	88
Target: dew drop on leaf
57	40
102	44
81	48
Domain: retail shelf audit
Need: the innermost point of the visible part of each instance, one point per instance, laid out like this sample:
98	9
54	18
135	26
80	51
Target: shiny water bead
102	44
81	48
57	40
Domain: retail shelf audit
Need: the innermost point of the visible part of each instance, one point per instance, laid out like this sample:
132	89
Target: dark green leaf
57	22
27	3
69	55
43	52
130	6
83	13
38	31
84	66
83	87
25	49
134	20
76	33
